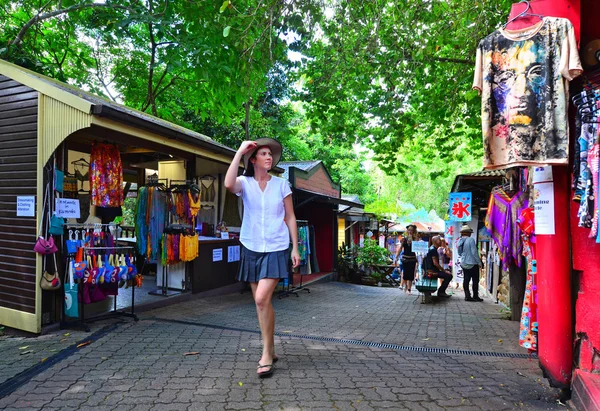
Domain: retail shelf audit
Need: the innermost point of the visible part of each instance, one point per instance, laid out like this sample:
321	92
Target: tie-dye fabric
523	79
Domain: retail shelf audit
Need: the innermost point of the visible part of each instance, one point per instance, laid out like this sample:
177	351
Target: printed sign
460	206
543	200
420	247
26	206
448	229
233	253
225	235
67	208
217	254
382	241
542	174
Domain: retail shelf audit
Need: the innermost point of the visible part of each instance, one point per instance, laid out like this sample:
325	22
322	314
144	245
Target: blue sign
460	207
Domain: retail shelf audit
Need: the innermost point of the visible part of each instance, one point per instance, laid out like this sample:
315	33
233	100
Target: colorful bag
71	294
44	246
57	225
50	282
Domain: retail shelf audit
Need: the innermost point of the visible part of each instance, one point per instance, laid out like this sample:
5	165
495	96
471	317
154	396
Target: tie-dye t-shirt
523	78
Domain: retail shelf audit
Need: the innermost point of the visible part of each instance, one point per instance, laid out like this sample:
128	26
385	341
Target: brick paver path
142	365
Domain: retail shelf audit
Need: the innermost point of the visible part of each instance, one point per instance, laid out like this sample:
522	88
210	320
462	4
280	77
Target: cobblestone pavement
142	365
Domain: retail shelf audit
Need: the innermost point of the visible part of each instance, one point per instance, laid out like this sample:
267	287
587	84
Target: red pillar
555	336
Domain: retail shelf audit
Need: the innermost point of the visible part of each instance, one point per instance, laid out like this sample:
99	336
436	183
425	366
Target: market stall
78	157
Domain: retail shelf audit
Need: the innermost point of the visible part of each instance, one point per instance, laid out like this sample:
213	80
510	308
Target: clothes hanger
524	14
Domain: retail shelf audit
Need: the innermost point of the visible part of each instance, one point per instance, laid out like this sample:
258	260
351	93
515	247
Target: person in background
409	258
445	254
268	225
433	265
470	262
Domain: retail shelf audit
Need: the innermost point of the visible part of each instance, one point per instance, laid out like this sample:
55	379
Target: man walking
470	262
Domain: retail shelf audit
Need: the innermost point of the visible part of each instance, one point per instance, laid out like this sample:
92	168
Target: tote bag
71	289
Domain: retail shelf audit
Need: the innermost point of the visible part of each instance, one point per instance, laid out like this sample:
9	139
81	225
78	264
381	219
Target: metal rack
82	322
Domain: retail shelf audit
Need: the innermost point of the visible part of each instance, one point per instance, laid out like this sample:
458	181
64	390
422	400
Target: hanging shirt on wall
501	223
523	76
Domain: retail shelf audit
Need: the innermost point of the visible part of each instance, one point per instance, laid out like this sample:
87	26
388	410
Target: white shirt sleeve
285	189
570	64
242	180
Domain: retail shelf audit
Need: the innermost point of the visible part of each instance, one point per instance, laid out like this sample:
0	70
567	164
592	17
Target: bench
427	286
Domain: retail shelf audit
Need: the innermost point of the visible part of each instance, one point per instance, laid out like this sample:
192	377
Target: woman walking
409	258
267	226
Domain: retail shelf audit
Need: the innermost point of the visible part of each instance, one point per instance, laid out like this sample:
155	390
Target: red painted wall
569	9
321	216
586	253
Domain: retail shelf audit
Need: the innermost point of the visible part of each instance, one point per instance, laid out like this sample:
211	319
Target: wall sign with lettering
26	206
68	208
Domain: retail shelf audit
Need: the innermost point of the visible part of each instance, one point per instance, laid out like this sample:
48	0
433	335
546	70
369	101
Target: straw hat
274	145
466	229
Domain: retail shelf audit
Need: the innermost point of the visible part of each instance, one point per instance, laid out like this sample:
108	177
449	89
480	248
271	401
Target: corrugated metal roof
484	173
302	165
351	197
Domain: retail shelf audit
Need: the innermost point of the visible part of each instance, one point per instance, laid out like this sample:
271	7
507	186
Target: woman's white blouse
263	225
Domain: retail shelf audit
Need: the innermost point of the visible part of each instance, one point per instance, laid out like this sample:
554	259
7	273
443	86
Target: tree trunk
517	289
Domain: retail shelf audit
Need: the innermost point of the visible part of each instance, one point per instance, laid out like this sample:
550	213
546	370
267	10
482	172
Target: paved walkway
342	346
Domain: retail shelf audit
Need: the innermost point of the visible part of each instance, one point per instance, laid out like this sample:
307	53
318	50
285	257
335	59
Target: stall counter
216	265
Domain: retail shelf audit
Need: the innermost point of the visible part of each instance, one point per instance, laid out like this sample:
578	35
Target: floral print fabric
523	79
106	176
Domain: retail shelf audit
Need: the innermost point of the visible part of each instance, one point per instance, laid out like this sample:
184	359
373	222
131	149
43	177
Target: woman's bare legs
263	292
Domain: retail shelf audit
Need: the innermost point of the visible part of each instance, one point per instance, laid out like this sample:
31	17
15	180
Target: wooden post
517	280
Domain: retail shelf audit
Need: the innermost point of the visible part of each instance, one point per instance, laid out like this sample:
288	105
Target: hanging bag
42	245
71	294
50	282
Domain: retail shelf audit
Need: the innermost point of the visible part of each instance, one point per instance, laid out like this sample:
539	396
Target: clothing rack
82	322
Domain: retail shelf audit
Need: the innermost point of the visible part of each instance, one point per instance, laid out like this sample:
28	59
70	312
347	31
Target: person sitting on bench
433	265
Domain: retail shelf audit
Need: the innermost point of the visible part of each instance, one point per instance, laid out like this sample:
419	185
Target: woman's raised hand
247	146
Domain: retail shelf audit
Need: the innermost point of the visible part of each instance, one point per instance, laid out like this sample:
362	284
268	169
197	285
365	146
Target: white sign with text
217	254
420	247
67	208
26	206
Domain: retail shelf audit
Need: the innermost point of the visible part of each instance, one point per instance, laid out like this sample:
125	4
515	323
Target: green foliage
129	212
371	254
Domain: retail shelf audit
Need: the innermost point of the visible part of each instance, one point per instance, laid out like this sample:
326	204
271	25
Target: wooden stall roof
101	107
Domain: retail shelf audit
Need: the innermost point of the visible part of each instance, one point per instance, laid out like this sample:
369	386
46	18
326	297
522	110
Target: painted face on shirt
263	158
518	85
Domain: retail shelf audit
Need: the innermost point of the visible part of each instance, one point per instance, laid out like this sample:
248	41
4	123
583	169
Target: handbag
71	294
57	225
42	245
50	282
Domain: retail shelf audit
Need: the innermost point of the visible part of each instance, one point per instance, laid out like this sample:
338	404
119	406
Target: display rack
82	322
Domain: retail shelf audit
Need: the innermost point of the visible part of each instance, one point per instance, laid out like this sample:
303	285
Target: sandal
267	373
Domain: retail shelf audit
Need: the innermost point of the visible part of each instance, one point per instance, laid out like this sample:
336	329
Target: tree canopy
323	76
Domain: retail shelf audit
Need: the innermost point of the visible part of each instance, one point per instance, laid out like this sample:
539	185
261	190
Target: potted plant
368	258
347	268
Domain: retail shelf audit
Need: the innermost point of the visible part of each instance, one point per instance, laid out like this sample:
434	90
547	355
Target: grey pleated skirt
256	266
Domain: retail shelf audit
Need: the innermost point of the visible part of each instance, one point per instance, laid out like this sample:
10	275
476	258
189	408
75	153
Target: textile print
528	334
500	221
523	78
106	176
